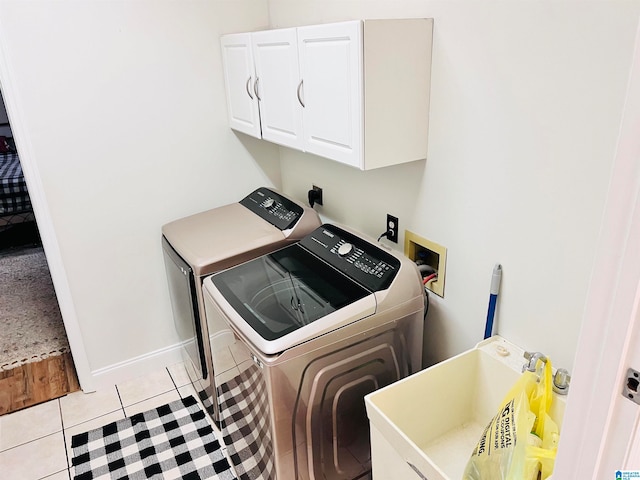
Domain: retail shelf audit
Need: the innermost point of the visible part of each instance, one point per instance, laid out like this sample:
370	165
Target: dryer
316	326
199	245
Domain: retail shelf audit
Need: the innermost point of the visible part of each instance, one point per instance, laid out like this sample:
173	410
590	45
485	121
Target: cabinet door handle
299	88
249	89
255	89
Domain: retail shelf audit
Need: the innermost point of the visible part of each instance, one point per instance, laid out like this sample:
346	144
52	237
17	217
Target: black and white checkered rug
173	441
246	424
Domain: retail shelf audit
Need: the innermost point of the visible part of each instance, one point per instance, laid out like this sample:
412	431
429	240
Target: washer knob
345	249
268	203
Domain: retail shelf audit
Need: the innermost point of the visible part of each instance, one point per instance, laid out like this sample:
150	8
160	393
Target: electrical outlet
318	194
392	228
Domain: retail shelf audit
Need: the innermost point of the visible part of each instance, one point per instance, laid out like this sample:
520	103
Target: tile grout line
31	441
120	399
64	445
175	385
42	436
64	441
66	469
174	388
55	473
64	425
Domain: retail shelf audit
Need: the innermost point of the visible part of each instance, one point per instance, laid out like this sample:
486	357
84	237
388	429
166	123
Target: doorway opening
35	357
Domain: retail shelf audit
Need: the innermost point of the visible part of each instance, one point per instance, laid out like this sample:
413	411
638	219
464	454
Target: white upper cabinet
239	81
356	92
278	78
331	71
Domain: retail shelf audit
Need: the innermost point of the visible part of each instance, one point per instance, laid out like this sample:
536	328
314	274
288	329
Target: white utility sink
427	425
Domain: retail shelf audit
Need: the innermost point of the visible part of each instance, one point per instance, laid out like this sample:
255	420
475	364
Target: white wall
124	119
123	111
526	102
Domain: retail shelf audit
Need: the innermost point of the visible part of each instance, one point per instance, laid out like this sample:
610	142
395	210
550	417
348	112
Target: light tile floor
35	442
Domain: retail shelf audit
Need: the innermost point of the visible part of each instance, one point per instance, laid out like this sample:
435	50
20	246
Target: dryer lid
286	297
215	239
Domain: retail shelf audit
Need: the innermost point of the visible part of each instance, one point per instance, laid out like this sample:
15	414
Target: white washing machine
202	244
316	326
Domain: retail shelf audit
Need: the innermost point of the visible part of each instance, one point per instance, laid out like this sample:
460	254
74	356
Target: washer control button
345	249
268	203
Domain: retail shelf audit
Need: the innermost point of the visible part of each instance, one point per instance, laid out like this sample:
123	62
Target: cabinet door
239	80
331	69
277	76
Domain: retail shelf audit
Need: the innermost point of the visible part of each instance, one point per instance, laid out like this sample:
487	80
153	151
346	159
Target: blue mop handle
493	298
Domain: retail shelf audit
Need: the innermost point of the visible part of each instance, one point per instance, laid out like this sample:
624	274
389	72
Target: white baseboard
149	362
136	367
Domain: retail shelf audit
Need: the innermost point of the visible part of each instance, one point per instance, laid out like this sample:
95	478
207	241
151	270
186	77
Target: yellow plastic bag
521	440
543	457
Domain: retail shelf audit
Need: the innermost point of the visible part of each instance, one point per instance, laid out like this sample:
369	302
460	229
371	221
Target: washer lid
287	297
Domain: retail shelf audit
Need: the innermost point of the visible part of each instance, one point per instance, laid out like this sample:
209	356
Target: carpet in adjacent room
31	324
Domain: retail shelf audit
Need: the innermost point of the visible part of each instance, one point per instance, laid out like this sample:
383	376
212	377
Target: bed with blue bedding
15	204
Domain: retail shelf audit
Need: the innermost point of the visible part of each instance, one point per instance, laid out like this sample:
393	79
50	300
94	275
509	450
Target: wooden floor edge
37	382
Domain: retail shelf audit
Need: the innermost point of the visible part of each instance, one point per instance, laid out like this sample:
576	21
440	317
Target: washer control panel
364	262
279	211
